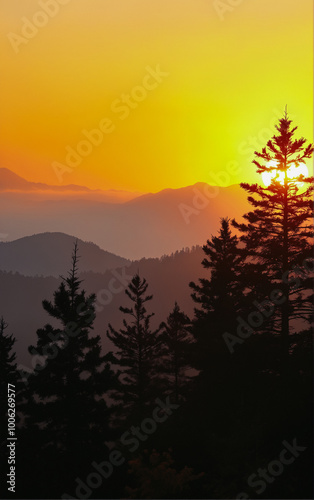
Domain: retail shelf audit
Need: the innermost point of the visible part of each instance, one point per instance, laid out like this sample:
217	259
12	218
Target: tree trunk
285	280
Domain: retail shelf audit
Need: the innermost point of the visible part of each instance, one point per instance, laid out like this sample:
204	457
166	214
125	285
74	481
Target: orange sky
227	77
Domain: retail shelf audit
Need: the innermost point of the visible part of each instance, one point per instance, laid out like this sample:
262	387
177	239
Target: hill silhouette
47	254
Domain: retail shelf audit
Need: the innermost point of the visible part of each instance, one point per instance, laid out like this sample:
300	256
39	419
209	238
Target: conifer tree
278	232
138	348
220	297
67	413
177	340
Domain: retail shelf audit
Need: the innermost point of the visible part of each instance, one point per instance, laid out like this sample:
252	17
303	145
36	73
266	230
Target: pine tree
138	347
67	413
220	298
177	340
278	231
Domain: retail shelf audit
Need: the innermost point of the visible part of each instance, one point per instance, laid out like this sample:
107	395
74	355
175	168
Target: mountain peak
49	254
10	180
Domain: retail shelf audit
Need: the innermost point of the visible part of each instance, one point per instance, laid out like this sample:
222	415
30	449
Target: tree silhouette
177	340
278	230
138	346
220	297
67	413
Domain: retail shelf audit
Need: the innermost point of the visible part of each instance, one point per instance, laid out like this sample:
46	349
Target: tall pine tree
278	232
219	297
68	418
138	348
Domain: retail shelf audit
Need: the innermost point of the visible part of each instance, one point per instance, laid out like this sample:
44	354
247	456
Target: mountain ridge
12	182
49	253
149	225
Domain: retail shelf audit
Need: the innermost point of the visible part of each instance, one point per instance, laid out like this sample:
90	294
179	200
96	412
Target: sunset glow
222	90
293	172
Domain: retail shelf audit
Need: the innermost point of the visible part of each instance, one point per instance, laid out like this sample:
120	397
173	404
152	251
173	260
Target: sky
144	95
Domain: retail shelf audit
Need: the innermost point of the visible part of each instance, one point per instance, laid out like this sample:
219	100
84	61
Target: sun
293	172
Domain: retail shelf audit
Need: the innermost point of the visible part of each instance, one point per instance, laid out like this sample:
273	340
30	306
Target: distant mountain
21	297
11	182
49	254
147	226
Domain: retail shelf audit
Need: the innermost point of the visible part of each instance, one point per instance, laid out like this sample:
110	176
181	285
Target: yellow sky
227	73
